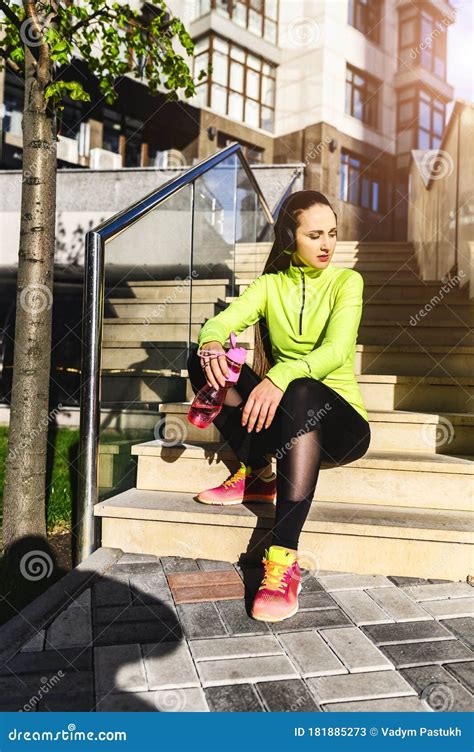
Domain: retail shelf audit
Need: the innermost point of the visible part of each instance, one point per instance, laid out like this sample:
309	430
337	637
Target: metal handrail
92	321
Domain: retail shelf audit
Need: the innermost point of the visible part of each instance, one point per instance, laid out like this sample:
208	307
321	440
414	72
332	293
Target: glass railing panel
213	274
145	336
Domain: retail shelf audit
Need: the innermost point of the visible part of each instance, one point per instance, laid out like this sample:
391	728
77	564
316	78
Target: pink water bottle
208	402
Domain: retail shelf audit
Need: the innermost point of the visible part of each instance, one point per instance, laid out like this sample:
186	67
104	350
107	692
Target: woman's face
316	235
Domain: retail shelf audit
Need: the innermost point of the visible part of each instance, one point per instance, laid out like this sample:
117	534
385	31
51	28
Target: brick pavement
357	643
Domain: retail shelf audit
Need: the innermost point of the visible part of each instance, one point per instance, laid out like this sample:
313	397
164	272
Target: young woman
301	397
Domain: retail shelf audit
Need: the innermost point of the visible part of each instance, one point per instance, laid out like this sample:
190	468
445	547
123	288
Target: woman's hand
261	405
215	367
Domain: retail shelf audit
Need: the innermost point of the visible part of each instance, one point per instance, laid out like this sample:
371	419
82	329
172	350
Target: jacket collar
308	270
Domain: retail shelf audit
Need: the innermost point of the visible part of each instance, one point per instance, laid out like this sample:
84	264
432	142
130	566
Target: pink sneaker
243	485
277	596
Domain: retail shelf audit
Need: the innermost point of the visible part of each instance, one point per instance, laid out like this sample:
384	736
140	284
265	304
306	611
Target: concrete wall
441	207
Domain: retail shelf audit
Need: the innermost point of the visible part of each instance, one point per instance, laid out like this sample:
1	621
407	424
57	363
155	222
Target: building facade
348	87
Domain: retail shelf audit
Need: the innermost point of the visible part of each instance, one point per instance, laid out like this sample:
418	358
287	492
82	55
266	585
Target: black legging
312	424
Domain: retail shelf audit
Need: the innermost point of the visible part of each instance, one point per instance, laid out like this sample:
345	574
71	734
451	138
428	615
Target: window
430	121
361	183
133	132
13	101
362	96
420	120
422	40
112	127
240	85
69	120
258	16
366	15
253	154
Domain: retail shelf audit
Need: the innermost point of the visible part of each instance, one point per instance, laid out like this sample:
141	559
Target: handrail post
92	318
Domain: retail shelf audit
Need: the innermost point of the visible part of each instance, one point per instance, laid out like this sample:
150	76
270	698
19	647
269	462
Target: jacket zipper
302	303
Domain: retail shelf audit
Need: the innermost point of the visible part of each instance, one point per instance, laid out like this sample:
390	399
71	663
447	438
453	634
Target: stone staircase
404	509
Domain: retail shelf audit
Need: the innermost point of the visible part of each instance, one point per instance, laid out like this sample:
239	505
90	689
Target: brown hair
278	260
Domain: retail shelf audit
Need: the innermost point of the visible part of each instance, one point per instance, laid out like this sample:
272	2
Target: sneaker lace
235	477
276	576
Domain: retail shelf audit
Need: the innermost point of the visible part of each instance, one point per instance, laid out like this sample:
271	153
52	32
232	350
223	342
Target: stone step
175	312
135	329
421	294
371	331
376	246
340	537
380	392
347	252
404	360
407	312
128	389
179	290
389	266
144	356
425	332
414	393
447	433
401	479
414	360
417	393
376	279
431	394
152	357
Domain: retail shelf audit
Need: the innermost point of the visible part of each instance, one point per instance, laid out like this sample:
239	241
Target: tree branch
12	17
86	21
11	63
43	60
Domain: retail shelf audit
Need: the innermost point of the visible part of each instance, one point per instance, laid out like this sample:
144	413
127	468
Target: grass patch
60	475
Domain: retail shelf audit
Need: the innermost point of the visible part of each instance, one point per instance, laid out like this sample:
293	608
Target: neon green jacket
312	316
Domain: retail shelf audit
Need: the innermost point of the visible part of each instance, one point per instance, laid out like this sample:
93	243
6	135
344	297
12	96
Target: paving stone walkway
357	643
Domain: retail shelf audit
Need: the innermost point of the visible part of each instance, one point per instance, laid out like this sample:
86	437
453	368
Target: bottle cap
237	354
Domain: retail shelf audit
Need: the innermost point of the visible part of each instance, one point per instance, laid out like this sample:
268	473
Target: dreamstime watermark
308	563
172	431
437	434
298	705
43	423
32	30
170	700
36	298
439	696
71	734
436	299
159	310
439	28
436	164
301	431
170	158
312	150
46	685
294	299
36	565
303	31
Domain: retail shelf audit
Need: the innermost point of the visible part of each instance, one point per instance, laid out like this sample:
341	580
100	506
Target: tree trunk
24	491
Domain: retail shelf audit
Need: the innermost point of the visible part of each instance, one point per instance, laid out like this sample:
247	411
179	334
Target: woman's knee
305	390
